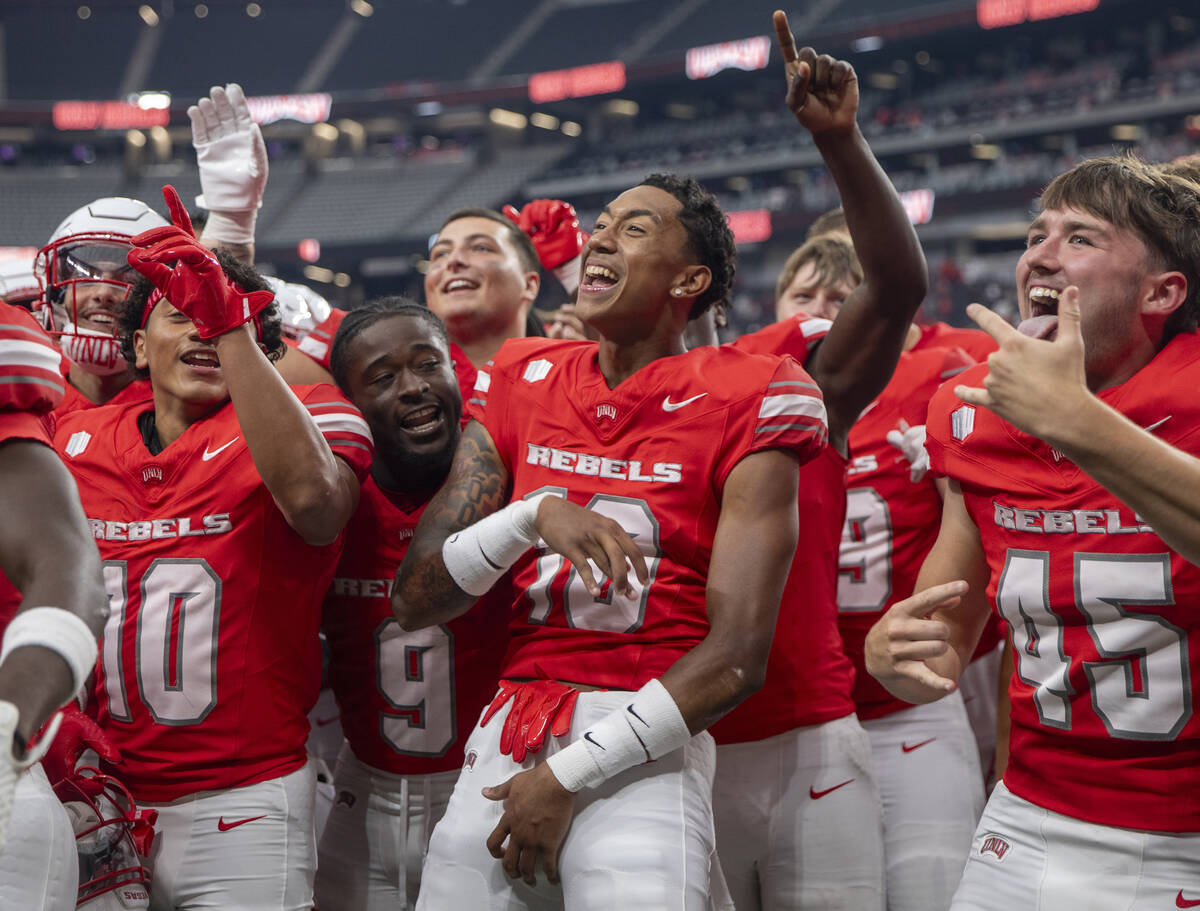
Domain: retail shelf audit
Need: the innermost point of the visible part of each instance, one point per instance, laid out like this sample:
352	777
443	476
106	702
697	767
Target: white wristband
568	274
480	554
229	228
649	727
58	630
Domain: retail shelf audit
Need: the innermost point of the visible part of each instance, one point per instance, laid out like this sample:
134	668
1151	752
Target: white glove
11	767
233	163
911	443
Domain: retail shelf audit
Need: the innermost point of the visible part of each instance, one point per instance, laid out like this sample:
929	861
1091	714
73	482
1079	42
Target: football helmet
301	309
18	285
112	836
85	279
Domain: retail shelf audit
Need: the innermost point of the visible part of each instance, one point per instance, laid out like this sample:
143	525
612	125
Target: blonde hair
832	257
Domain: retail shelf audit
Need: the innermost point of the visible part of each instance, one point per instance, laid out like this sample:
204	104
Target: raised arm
919	648
857	358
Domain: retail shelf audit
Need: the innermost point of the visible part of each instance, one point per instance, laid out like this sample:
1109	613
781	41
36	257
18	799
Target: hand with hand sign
822	91
898	646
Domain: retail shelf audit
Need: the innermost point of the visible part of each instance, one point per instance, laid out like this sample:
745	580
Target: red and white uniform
408	703
318	344
977	343
925	756
214	616
797	810
653	454
38	867
1102	622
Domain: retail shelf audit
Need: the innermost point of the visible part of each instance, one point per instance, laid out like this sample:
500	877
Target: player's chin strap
649	727
480	554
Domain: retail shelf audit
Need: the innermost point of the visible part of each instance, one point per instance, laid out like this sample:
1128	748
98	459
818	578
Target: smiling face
811	294
183	367
1116	280
400	376
92	280
477	283
637	257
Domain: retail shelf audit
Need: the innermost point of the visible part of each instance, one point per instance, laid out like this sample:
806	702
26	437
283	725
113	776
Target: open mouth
100	318
1043	319
421	421
459	284
202	360
597	278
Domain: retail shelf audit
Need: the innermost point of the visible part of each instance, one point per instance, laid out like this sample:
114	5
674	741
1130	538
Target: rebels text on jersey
653	454
1101	613
209	659
808	675
408	701
891	521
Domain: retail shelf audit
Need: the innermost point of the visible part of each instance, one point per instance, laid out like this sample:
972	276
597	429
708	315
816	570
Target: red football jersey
408	701
318	344
74	400
209	658
30	386
1101	613
977	343
891	522
467	376
653	454
808	675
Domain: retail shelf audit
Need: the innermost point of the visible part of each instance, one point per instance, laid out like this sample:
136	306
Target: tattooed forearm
478	484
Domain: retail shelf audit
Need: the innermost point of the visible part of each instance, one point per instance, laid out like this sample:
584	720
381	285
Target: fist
553	226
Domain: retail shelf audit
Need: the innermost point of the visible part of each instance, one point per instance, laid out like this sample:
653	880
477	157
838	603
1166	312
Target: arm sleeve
30	376
318	344
342	425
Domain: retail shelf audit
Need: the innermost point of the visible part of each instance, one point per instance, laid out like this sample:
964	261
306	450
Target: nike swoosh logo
632	711
817	795
916	746
321	722
1181	902
224	826
668	405
1151	427
216	452
587	735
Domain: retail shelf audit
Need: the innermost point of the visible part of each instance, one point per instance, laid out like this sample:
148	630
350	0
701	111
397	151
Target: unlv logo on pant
996	846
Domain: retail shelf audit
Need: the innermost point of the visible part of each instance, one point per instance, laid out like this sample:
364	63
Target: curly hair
361	318
242	274
709	236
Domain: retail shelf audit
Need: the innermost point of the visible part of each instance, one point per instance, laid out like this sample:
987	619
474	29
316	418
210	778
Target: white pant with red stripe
927	765
249	848
799	823
642	841
375	839
1026	858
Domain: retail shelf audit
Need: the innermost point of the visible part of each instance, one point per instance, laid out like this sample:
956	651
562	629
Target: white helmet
301	309
18	284
85	278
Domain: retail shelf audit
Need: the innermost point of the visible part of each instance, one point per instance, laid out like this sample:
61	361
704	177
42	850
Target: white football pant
927	765
370	856
980	688
1027	857
248	848
642	841
39	869
799	822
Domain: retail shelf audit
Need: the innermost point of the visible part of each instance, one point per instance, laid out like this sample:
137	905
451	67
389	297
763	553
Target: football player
52	608
408	700
1069	456
798	811
218	506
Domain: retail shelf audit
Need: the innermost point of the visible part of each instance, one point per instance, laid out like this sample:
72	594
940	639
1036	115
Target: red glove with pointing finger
553	226
187	274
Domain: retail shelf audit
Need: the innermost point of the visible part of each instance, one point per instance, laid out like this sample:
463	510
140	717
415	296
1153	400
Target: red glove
188	275
539	707
77	733
553	226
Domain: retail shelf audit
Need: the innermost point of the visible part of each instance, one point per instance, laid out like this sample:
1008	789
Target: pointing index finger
787	43
991	323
